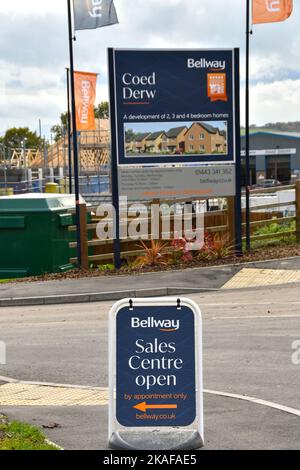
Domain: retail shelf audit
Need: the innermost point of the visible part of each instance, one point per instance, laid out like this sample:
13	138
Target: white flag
92	14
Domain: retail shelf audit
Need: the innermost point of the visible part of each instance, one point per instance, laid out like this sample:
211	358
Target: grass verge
21	436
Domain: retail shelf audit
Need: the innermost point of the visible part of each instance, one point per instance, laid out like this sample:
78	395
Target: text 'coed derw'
133	83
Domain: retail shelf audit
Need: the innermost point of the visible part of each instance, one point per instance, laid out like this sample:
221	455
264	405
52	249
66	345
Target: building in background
274	156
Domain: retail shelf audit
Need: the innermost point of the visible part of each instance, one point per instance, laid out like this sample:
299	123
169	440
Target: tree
129	135
17	136
102	110
59	130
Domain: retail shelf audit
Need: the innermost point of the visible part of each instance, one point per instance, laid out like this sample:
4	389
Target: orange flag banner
271	11
85	97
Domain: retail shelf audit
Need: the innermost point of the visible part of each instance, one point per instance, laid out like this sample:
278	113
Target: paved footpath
153	284
252	396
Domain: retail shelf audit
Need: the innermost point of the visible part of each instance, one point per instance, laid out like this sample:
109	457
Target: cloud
277	101
38	41
34	52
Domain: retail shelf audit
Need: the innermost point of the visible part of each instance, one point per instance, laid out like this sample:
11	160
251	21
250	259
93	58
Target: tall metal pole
114	162
69	133
238	197
41	151
74	128
40	128
248	215
25	164
5	178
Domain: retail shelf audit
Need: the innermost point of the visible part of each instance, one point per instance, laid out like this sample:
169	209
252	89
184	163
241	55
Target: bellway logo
85	98
215	65
95	8
150	322
273	6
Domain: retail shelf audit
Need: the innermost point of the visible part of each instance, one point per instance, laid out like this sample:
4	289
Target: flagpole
69	132
74	129
248	179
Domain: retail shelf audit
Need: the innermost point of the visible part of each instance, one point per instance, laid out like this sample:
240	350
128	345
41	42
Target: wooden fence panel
217	222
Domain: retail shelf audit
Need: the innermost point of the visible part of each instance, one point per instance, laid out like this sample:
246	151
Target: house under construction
23	169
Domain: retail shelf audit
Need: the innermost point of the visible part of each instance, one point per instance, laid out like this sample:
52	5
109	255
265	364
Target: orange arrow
144	407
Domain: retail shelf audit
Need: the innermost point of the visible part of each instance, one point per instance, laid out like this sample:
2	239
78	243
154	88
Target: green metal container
34	235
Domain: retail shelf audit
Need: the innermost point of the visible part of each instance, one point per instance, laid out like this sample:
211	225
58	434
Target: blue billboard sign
174	109
155	366
174	106
155	374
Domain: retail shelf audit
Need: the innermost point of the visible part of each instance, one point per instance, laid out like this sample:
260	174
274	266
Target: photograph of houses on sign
177	138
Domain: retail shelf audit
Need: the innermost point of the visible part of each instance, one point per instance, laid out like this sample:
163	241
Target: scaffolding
93	146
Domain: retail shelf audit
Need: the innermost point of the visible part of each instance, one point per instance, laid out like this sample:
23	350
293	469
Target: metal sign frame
141	438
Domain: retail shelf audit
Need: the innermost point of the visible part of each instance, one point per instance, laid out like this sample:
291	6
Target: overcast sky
34	52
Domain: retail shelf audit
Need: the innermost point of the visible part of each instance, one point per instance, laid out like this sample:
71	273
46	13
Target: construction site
24	170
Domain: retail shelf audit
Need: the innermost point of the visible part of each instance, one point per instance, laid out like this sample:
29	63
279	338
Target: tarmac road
248	336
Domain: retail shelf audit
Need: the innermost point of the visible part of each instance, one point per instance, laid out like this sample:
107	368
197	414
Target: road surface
248	339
